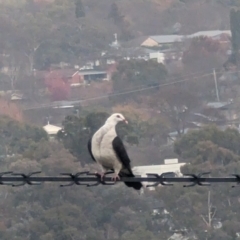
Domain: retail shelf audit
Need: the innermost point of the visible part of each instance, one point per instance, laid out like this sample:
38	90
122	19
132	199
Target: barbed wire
89	179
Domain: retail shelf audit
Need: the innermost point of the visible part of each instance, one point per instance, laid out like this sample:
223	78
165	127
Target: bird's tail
135	185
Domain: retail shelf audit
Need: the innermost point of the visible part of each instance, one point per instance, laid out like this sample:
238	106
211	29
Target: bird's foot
116	177
101	175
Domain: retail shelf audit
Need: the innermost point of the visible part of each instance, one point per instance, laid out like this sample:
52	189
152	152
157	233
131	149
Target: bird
107	149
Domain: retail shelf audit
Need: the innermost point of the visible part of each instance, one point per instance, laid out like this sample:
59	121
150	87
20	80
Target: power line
125	92
91	179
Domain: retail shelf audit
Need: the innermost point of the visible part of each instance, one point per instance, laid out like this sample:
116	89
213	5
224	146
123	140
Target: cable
125	92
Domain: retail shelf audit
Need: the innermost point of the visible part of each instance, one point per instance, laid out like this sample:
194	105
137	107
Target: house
51	130
224	107
170	165
83	76
157	56
76	80
17	96
172	136
214	34
165	41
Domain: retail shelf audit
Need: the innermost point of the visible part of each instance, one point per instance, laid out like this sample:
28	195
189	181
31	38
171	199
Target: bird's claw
115	178
101	175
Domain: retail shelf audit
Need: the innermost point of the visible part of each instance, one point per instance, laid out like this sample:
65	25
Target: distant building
173	135
167	41
51	130
170	165
214	34
17	96
162	41
157	56
225	108
93	75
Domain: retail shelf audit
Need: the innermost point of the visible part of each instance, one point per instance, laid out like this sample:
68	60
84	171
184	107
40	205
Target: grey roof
167	38
212	33
161	39
217	104
92	72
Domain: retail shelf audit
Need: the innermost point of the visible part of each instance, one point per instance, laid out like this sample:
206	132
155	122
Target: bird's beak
125	121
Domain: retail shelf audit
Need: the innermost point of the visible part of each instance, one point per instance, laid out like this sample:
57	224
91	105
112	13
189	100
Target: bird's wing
121	152
90	148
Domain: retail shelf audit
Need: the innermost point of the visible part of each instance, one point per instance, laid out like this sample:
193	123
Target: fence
91	179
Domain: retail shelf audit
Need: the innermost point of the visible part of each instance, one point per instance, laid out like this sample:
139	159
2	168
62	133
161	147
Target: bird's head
115	118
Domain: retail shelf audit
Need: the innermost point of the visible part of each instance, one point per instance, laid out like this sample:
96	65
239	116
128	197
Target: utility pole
216	84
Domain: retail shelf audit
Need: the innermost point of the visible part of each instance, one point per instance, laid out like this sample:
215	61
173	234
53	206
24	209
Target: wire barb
99	180
26	179
237	176
197	179
1	175
160	179
92	179
74	179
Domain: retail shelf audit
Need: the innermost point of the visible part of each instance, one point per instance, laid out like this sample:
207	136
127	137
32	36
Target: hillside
152	16
56	33
158	16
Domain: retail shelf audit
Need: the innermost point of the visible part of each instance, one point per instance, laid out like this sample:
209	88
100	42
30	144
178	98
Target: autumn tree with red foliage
59	90
204	54
58	86
11	110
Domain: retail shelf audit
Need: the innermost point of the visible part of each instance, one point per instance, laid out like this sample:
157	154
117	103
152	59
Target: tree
176	104
120	21
19	138
145	128
58	86
235	3
76	132
35	36
115	14
59	90
11	110
79	11
200	210
11	55
48	212
95	119
203	54
228	139
136	74
235	24
73	136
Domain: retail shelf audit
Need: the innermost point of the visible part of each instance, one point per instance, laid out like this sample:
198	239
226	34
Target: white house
170	165
51	130
158	56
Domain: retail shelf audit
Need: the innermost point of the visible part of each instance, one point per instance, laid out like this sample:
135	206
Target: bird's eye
118	116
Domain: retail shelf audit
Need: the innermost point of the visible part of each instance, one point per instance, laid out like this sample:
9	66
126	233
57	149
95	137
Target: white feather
102	149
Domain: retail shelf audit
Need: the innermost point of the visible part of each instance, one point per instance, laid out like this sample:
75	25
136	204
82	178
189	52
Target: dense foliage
208	212
76	131
47	212
234	24
137	74
204	54
20	138
115	212
39	33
